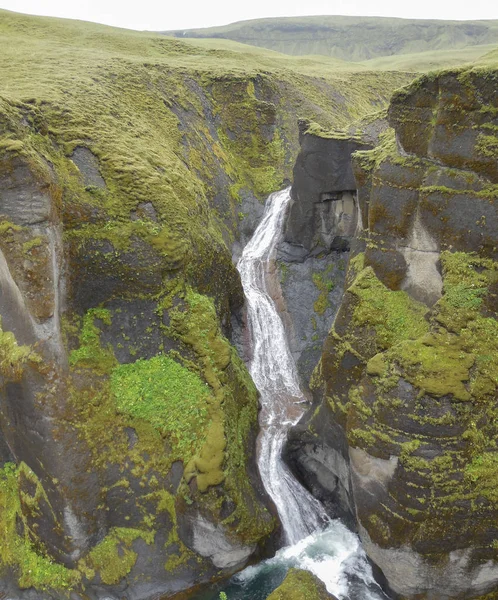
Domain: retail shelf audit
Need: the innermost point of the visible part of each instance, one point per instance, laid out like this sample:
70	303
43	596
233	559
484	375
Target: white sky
183	14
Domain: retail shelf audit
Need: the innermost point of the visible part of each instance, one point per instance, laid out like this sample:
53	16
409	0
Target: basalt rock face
313	254
322	211
408	374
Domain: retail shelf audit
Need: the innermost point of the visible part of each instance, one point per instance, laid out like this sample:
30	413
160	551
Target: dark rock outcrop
322	221
322	214
408	374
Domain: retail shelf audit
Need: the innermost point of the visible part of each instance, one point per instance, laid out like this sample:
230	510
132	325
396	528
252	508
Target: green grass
431	60
490	59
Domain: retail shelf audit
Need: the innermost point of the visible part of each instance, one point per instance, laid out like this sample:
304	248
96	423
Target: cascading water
274	373
326	548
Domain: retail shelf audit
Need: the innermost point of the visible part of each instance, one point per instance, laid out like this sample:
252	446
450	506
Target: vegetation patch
90	352
300	585
20	547
325	284
113	557
167	395
13	357
393	314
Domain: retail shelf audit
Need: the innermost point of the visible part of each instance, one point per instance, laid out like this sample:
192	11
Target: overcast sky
182	14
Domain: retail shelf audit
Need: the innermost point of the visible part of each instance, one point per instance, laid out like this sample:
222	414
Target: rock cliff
405	429
322	222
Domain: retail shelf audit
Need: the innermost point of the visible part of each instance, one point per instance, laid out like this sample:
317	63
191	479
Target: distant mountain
352	38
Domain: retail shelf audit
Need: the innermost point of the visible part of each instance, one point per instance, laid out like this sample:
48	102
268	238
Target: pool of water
334	555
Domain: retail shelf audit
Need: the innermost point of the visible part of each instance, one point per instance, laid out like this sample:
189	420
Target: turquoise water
334	555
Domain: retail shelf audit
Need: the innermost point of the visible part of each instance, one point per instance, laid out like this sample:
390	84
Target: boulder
301	585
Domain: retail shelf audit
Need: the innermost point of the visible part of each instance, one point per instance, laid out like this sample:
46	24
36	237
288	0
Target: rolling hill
352	38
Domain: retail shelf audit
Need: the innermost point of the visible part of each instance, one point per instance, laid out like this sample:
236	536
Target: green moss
255	159
435	363
113	557
284	272
33	566
487	145
300	585
370	160
233	413
90	353
454	359
466	281
319	131
14	358
325	285
168	396
482	472
10	145
7	227
377	366
393	314
33	243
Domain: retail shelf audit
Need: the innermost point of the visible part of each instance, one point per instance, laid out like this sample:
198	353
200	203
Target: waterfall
326	548
274	373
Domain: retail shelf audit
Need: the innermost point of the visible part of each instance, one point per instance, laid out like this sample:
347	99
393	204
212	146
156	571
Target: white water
274	373
326	548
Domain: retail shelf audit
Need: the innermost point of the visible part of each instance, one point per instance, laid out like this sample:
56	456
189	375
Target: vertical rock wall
407	424
313	254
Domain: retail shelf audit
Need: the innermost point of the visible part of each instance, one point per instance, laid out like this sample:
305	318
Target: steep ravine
402	437
130	165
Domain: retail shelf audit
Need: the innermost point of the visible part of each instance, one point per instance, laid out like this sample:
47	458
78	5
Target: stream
313	541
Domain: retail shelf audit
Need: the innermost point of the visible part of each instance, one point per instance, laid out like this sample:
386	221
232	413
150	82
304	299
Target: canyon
134	169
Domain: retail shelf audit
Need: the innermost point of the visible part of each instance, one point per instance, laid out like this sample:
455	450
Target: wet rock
209	540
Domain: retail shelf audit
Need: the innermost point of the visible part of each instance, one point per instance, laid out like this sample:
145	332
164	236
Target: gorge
134	358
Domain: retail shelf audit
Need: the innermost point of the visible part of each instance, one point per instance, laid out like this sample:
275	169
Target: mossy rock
301	585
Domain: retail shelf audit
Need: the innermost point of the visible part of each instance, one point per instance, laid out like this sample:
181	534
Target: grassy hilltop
354	38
